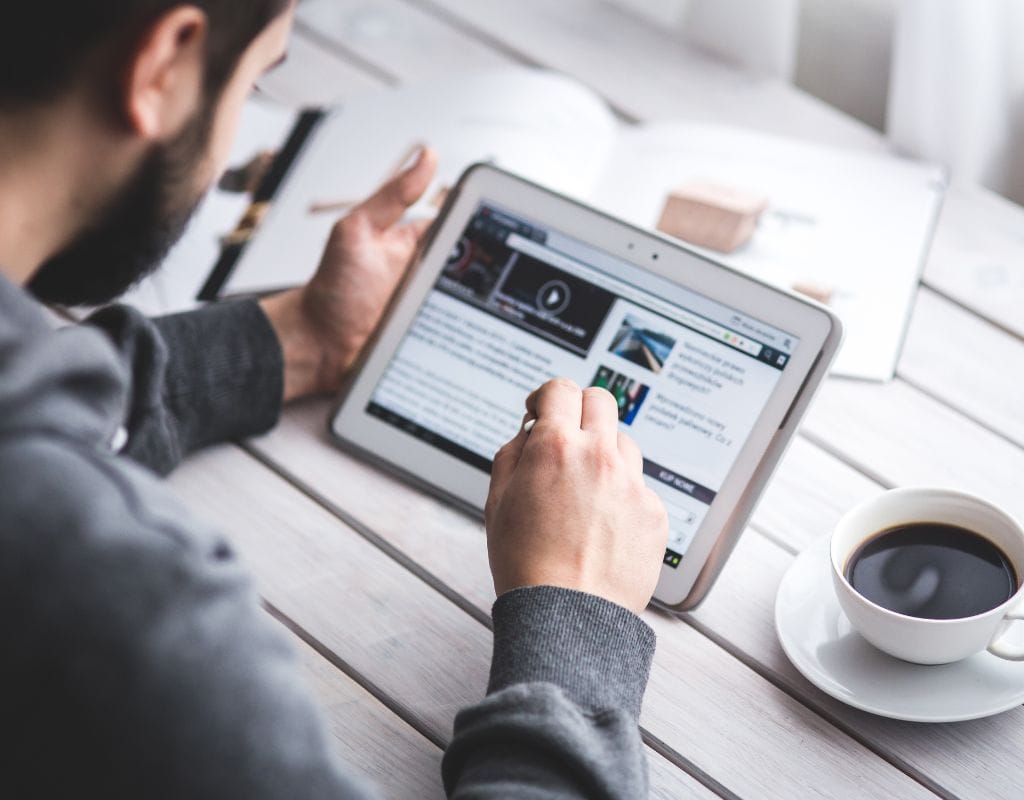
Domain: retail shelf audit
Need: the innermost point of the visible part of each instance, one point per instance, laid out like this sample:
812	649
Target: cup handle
997	647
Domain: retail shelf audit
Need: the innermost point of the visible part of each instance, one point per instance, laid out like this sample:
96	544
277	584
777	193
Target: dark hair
44	44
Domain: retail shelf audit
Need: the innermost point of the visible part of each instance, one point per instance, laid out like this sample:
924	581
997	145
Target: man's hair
44	44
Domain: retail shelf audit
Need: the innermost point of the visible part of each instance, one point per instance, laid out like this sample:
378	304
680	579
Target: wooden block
816	291
711	215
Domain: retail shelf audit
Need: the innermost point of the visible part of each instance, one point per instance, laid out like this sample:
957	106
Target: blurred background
944	79
941	81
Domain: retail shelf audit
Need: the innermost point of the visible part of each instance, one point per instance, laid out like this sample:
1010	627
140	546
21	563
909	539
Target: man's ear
163	80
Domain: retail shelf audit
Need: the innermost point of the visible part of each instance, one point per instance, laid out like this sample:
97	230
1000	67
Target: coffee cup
934	639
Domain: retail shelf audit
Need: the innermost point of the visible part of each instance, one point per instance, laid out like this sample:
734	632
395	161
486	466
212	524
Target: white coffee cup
929	641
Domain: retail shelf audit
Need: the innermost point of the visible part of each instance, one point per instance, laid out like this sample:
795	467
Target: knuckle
604	459
657	510
561	384
342	229
555	446
602	397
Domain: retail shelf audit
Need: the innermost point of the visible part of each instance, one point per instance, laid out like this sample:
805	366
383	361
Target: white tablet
712	370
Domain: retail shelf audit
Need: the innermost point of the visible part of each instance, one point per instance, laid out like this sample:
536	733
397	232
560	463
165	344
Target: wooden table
387	590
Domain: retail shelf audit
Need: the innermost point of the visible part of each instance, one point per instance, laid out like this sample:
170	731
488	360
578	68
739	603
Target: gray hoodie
136	660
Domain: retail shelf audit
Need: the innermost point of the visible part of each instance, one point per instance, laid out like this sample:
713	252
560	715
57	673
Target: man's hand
324	325
568	505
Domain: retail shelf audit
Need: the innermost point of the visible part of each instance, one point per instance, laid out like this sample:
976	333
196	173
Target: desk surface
387	590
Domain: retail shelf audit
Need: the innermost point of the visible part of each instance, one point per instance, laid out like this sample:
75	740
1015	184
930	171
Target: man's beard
130	239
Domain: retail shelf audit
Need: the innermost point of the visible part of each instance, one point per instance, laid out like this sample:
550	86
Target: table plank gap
903	437
673	757
974	309
774	538
399	709
819	708
666	751
314	76
368	735
977	256
408	43
837	453
343	53
422	651
370	536
957	757
313	648
941	357
450	544
942	399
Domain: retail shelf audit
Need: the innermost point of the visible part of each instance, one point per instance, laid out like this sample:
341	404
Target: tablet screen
519	303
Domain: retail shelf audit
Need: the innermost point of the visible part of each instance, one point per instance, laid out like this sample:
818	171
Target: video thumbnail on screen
474	267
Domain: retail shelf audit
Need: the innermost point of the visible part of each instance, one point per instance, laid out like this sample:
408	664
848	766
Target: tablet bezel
818	330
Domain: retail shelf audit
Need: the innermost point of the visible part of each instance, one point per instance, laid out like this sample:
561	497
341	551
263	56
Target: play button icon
553	297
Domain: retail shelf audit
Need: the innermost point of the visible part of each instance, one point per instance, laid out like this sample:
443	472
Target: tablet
515	285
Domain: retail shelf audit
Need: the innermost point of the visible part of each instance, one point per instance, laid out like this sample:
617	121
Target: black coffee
933	571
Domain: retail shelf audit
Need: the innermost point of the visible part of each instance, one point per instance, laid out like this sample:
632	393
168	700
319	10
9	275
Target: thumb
505	462
387	206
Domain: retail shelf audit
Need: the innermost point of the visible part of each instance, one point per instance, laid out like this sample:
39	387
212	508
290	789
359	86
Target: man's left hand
324	325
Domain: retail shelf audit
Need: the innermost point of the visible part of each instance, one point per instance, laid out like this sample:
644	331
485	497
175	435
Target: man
136	660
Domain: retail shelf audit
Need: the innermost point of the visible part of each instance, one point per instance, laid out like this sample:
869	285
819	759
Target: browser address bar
627	292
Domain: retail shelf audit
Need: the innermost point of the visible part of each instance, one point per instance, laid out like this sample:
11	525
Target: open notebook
860	223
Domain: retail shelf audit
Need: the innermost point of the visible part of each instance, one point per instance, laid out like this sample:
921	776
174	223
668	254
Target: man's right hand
568	505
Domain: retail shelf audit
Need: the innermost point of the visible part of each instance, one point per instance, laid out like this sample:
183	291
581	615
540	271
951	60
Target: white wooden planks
371	739
695	685
899	436
399	40
427	656
894	434
967	363
977	257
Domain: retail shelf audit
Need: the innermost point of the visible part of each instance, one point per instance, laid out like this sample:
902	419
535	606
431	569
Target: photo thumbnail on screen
646	348
628	392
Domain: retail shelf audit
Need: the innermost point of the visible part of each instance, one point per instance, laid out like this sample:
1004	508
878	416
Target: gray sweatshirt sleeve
560	717
569	669
196	378
137	660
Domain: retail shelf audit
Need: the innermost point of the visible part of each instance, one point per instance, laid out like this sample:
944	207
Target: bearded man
136	659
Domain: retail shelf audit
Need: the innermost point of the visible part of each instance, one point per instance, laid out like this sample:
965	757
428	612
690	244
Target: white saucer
820	642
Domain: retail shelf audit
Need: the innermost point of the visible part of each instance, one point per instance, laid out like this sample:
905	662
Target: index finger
559	401
390	202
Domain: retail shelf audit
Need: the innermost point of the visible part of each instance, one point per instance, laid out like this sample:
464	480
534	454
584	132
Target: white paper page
539	125
856	222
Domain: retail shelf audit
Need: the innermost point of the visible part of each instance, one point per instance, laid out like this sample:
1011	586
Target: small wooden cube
711	215
816	291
